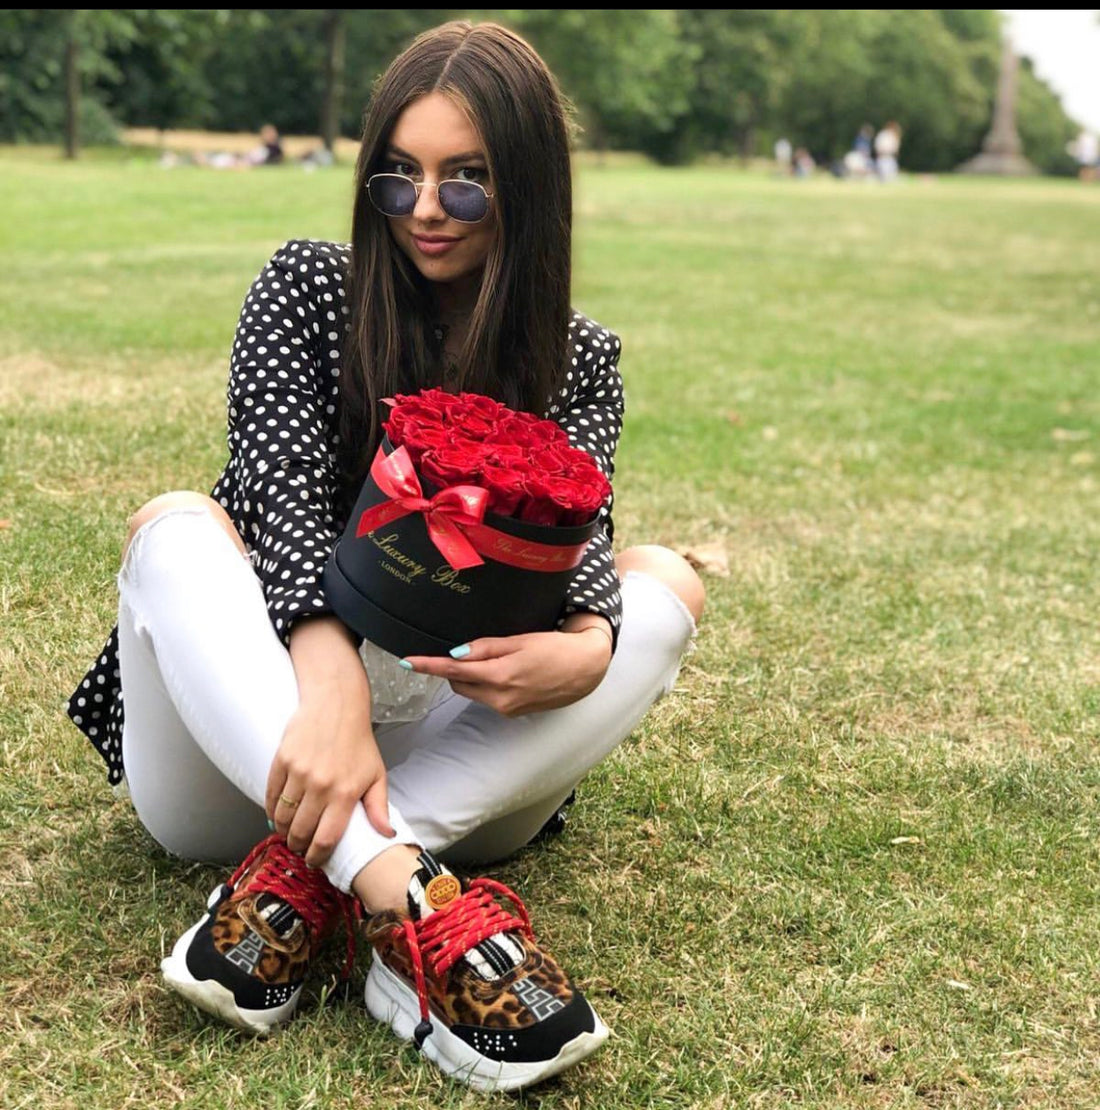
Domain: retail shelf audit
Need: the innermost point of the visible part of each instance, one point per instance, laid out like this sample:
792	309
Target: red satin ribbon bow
446	514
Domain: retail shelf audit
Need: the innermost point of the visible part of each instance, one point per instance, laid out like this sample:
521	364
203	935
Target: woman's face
432	141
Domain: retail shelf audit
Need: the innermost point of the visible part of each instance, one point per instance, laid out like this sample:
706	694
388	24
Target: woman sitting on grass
249	704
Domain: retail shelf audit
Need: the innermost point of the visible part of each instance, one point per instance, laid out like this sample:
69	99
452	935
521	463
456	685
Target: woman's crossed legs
208	688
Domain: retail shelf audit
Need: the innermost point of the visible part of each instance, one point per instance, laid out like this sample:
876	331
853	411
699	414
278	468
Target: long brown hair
516	344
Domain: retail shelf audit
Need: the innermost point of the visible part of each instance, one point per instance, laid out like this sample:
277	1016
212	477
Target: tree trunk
335	36
597	140
72	91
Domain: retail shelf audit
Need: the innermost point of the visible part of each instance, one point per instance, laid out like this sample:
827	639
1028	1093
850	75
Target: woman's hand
328	761
528	673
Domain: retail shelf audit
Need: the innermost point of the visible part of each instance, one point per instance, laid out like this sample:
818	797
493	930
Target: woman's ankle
383	883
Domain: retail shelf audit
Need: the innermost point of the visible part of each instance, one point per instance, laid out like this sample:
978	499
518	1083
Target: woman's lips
434	246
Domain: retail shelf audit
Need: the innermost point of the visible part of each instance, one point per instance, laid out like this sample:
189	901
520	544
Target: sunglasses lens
392	194
463	200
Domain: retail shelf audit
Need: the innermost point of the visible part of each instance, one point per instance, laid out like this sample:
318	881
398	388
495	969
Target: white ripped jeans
208	689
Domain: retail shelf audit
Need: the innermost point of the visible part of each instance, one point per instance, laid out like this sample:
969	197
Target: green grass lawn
852	861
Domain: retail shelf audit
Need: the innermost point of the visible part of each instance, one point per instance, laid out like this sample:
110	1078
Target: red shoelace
305	889
447	935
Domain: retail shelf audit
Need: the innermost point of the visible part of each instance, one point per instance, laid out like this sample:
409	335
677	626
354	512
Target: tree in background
1044	128
741	74
51	61
831	72
628	72
336	34
160	75
277	66
674	84
933	82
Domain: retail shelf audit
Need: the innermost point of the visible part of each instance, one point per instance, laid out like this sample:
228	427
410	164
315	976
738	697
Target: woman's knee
672	569
180	499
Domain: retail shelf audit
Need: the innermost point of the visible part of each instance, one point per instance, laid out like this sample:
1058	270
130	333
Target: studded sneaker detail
245	960
463	977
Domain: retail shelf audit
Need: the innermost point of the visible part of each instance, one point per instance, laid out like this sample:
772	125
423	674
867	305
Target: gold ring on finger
289	802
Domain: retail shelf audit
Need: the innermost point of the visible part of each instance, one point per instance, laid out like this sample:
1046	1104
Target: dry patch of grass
237	142
33	381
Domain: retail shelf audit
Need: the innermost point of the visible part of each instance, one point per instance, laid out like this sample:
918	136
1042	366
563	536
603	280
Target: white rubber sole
390	1000
215	999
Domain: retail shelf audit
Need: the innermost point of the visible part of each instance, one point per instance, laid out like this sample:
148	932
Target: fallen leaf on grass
1069	435
708	557
734	417
956	985
4	524
1082	458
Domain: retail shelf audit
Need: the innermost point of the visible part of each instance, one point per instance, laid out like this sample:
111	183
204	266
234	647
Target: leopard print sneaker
464	978
246	959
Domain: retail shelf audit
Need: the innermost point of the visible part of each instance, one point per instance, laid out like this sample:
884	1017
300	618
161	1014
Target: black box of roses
471	523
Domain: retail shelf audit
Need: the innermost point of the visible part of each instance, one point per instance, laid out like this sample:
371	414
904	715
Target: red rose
539	506
515	428
554	459
486	408
527	464
428	408
566	500
452	466
438	399
581	500
395	426
548	433
509	455
475	427
539	510
505	486
418	438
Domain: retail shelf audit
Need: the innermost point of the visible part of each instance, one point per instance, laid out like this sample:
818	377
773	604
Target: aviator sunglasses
394	194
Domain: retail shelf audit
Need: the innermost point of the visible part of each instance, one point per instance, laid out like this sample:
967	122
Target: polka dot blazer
279	485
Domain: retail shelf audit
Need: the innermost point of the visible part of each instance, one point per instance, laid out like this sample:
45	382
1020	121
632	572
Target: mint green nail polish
271	824
460	652
405	663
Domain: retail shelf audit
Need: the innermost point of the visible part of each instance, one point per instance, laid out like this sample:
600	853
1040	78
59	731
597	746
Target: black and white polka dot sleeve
280	485
592	415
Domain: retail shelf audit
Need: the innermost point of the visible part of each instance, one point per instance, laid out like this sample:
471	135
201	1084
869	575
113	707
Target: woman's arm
328	761
280	484
280	488
593	418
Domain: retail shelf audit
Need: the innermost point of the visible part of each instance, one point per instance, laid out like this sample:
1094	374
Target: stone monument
1001	150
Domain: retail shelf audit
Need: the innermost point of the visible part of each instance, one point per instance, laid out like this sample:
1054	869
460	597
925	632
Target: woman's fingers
329	829
276	781
376	803
488	647
313	821
300	829
489	670
318	823
463	658
288	802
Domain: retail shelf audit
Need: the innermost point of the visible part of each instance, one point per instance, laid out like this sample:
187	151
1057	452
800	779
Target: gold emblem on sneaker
441	890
